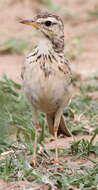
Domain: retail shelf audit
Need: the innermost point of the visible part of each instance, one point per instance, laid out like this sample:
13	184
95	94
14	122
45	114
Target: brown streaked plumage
47	76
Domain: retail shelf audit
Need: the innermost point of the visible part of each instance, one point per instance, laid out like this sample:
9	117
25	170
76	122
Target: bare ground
87	61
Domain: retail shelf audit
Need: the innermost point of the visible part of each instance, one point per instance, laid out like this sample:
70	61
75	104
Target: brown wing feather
65	69
62	126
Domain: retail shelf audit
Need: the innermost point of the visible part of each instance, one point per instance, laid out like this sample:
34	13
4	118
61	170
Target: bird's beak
30	22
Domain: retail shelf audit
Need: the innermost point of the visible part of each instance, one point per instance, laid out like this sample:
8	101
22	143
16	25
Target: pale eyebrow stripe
48	18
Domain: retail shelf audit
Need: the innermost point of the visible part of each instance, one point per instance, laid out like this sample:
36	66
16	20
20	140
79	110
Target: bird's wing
65	69
29	59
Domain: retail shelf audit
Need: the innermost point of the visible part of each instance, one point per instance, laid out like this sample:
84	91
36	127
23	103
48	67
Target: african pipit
47	77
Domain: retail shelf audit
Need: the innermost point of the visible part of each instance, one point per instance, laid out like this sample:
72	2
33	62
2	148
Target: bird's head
50	25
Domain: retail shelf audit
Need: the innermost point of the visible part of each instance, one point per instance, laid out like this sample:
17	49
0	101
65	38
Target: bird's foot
34	163
55	162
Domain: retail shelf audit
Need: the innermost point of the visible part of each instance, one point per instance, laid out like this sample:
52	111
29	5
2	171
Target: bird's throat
44	46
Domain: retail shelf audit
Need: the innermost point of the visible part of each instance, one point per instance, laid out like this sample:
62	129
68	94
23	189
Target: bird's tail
62	126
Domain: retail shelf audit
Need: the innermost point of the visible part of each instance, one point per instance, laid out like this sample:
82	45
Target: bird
46	77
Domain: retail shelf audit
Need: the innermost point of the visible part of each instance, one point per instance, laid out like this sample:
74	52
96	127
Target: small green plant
14	46
94	13
84	147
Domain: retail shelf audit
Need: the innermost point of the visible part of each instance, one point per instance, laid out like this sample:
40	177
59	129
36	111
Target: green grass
94	13
17	138
13	45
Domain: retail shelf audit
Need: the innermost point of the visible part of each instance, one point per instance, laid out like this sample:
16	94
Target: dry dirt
82	25
87	61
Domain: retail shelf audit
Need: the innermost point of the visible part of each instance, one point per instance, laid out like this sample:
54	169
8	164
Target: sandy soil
87	61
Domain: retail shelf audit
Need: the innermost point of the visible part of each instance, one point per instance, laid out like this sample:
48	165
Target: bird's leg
56	125
34	159
56	147
36	126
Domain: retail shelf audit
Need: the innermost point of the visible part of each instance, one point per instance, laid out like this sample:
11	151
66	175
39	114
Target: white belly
45	93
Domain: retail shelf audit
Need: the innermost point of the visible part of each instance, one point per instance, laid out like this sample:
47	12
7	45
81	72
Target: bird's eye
48	23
